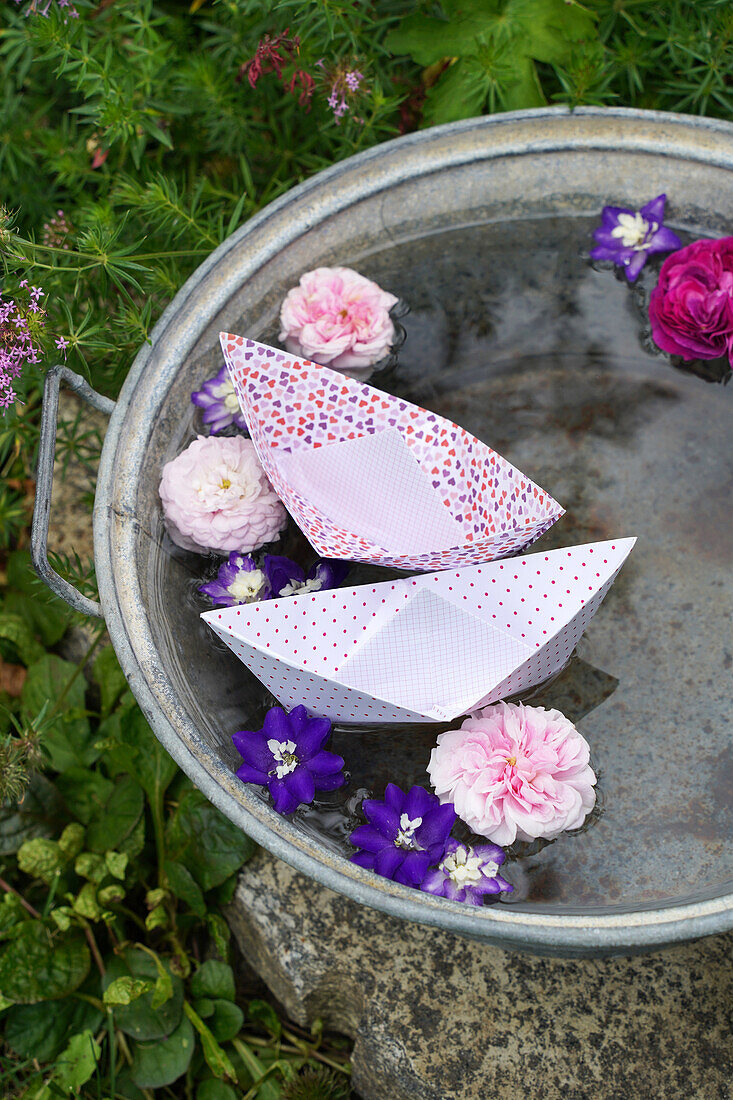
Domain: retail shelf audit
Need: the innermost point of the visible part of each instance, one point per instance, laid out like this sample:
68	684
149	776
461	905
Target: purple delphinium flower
629	237
405	835
286	578
287	757
466	874
219	403
239	580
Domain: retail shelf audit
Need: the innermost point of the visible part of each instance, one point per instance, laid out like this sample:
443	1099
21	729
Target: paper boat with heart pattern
426	648
370	477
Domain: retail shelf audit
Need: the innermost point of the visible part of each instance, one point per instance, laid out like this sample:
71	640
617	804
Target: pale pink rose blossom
216	497
339	319
515	773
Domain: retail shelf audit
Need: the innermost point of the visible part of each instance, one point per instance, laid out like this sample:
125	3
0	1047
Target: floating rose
239	580
287	578
405	834
515	773
629	237
287	757
467	874
338	318
219	402
216	497
691	307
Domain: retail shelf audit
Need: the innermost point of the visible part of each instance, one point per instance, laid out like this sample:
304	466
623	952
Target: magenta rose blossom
338	318
515	773
216	496
691	307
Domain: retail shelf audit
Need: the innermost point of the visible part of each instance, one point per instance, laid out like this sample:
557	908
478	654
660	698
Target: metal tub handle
44	483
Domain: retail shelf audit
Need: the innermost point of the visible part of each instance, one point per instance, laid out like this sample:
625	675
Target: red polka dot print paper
429	647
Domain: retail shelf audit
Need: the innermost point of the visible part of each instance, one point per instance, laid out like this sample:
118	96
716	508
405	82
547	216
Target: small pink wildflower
344	84
307	85
21	325
62	344
38	7
56	231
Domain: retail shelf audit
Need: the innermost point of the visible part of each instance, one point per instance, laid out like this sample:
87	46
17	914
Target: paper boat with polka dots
424	648
370	477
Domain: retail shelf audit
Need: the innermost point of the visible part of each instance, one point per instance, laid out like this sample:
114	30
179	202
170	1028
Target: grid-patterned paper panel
413	659
292	686
376	487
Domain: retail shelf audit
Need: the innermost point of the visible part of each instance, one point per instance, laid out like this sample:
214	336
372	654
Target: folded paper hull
371	478
425	648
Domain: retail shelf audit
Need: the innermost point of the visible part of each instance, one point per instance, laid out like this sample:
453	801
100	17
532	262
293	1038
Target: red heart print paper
371	478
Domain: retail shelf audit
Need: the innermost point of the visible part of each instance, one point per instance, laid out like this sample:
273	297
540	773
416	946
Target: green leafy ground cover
134	137
115	960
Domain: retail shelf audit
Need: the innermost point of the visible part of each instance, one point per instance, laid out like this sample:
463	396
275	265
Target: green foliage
132	119
501	55
114	959
39	965
42	1030
492	47
207	842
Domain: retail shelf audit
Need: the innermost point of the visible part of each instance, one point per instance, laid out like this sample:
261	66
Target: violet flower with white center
629	237
287	756
62	344
467	874
239	580
287	578
405	834
218	400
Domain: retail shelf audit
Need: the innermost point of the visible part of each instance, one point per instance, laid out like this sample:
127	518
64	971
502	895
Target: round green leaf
117	819
139	1019
226	1021
125	990
42	1030
199	836
34	967
213	979
215	1090
160	1063
41	858
78	1062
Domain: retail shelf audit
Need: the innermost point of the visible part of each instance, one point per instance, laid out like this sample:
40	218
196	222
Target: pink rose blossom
216	497
691	307
515	773
338	318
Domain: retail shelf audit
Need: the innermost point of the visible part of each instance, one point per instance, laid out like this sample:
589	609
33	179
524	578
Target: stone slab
439	1017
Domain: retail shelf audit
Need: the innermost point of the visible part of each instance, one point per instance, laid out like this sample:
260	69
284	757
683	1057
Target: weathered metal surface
369	212
44	482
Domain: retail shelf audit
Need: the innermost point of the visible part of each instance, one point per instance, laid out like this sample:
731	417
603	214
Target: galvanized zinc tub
481	226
